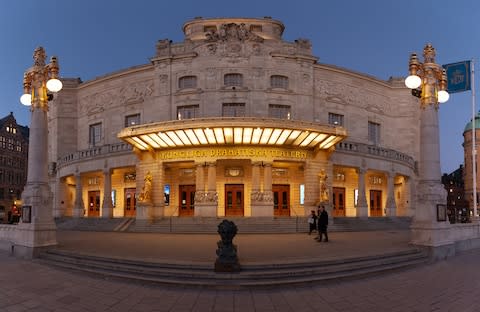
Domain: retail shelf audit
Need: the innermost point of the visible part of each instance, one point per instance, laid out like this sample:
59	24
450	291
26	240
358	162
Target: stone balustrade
94	152
373	150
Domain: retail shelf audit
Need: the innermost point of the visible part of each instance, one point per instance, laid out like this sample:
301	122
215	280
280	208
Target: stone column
158	190
79	206
60	199
206	202
107	205
391	207
312	186
256	176
267	177
199	178
362	206
261	202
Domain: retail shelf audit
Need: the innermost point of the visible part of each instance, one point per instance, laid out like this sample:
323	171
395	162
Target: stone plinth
144	211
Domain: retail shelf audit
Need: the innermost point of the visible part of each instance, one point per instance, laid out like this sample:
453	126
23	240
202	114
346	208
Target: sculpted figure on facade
323	186
163	47
303	43
146	193
136	92
232	32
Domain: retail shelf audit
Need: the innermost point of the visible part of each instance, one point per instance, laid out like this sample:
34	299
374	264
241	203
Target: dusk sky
95	37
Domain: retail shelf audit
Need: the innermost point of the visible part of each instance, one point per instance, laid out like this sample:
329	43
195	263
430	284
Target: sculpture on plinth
227	260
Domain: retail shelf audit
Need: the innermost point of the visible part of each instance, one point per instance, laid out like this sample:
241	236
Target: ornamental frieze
232	32
136	92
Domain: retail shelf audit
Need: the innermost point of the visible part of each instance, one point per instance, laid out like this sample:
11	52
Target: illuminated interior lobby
233	121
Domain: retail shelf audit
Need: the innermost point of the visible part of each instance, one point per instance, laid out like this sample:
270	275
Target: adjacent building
233	121
13	166
454	184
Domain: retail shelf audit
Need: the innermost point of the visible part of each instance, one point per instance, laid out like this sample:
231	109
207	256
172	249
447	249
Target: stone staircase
251	275
93	224
245	224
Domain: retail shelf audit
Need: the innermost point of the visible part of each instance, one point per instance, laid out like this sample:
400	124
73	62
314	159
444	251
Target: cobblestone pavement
451	285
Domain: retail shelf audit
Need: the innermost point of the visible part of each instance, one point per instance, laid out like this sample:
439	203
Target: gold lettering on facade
233	152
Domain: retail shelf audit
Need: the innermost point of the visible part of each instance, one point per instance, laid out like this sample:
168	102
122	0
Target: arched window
233	80
186	82
278	81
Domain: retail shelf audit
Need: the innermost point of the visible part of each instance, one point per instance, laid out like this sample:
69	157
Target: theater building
233	121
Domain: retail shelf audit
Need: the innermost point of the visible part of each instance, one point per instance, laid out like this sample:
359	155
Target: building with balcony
13	166
233	121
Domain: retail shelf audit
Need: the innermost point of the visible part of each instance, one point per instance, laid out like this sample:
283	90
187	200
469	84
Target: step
260	275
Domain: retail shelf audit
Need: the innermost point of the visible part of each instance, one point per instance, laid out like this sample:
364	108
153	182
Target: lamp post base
33	238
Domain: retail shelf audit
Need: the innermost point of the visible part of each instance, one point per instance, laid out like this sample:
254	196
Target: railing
360	148
94	152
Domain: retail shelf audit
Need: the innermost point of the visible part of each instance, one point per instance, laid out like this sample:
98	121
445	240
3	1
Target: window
277	81
233	80
210	28
3	141
186	82
335	119
279	111
10	144
95	134
2	193
11	129
233	110
187	112
257	28
18	146
132	120
374	132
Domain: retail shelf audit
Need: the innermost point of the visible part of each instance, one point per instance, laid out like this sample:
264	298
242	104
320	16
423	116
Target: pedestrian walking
322	223
312	222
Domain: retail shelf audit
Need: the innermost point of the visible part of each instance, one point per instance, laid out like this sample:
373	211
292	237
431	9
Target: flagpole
474	147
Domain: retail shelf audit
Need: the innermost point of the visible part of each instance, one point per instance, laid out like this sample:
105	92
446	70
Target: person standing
322	223
312	222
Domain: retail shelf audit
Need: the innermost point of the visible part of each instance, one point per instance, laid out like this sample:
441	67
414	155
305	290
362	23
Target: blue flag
458	76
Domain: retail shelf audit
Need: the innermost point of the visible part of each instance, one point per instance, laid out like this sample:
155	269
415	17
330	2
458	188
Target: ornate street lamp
37	224
428	75
431	195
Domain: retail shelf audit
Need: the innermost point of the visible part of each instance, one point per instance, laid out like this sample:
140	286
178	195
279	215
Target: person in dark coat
322	223
312	222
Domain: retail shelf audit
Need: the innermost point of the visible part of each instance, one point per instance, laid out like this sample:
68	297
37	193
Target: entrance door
187	200
94	203
375	203
130	206
233	199
338	201
281	200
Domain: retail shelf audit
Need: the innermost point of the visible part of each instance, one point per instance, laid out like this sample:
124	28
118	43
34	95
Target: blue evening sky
95	37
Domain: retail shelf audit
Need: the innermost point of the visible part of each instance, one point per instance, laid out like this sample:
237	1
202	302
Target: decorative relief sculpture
136	92
264	197
232	32
206	197
146	193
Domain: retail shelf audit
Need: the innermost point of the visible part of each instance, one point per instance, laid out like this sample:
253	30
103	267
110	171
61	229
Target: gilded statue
146	193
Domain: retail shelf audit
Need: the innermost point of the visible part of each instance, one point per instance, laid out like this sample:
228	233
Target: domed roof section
468	127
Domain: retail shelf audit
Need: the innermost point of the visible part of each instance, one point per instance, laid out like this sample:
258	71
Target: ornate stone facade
238	69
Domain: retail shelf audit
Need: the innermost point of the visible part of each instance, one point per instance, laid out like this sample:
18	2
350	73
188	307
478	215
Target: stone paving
450	285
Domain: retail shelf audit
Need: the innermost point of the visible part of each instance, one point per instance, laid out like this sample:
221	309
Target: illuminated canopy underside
232	131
